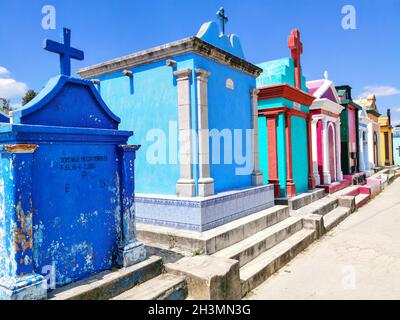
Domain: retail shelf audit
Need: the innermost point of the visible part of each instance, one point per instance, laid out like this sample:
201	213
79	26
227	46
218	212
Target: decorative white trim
205	182
257	176
327	105
317	178
185	186
325	154
327	84
339	172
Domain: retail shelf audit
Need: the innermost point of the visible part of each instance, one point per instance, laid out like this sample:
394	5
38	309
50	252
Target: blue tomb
192	104
67	189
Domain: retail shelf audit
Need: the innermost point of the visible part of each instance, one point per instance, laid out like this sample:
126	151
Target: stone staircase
261	243
329	208
143	281
166	286
362	194
321	210
263	253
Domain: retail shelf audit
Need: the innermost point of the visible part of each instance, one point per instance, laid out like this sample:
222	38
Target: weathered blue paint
68	203
4	118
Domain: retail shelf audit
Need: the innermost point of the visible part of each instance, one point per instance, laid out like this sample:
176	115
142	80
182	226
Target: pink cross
296	49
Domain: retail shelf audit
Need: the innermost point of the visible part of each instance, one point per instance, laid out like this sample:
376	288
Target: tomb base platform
202	213
356	178
29	287
335	186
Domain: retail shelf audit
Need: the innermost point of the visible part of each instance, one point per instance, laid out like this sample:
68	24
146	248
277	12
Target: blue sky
366	58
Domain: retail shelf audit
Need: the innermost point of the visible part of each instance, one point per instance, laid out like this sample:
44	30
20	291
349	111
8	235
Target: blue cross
65	51
223	18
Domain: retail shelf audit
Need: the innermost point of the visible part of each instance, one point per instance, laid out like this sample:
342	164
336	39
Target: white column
378	136
257	176
205	182
361	149
339	172
185	186
325	154
366	162
371	159
317	178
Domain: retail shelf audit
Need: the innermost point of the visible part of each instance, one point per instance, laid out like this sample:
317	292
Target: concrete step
362	200
335	186
257	271
213	240
164	287
320	207
302	199
108	284
349	191
251	247
336	216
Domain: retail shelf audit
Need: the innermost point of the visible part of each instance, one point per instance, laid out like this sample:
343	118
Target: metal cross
65	51
224	19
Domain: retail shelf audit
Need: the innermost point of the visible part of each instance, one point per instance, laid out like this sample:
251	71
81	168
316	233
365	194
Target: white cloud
9	87
396	110
380	91
4	71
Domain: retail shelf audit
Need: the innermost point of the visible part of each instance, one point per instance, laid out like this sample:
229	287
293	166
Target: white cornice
327	105
168	51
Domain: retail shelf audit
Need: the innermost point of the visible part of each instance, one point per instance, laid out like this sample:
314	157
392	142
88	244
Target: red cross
296	49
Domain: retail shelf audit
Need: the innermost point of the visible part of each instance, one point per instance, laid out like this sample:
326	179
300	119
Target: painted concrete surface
359	259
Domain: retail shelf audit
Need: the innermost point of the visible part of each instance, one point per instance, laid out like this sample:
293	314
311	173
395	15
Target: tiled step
361	200
257	271
164	287
320	207
213	240
336	216
251	247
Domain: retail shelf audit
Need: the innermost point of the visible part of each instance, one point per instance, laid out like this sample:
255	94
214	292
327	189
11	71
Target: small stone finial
223	18
171	63
65	51
326	75
128	73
